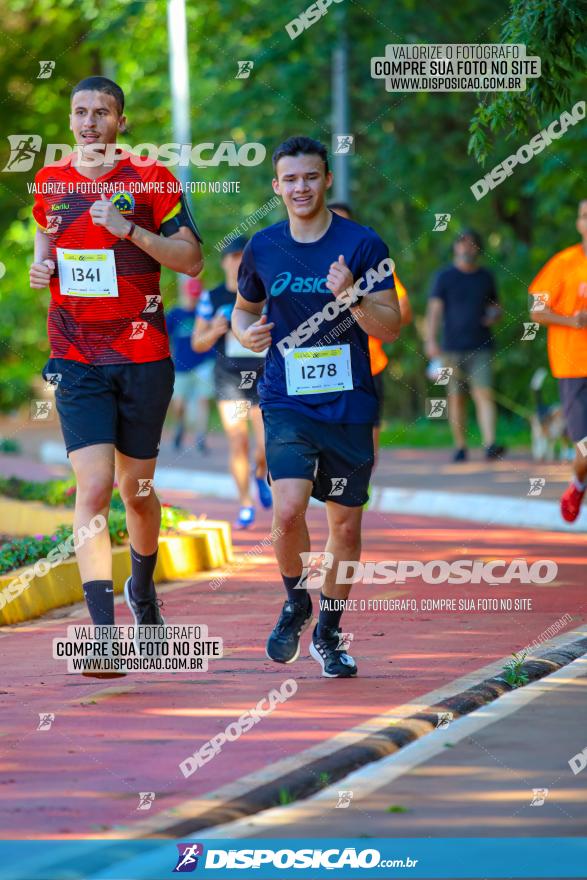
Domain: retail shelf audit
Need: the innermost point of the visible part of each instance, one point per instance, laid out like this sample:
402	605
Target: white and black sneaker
144	613
329	650
283	645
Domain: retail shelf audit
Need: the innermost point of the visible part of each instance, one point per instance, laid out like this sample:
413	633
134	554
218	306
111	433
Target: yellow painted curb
180	556
220	538
32	517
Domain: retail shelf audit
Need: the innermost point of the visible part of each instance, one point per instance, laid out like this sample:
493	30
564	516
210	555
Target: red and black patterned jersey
97	329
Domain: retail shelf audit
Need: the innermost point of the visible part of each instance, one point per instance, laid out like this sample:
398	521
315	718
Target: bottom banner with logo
554	857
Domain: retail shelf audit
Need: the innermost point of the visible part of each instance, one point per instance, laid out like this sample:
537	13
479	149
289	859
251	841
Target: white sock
579	485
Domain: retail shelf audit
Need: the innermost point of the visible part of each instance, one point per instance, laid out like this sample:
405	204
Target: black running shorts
573	394
336	458
123	404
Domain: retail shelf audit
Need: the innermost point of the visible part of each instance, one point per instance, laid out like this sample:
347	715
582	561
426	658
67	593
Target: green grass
396	809
513	673
285	797
435	433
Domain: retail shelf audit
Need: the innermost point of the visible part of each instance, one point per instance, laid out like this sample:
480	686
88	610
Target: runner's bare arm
249	326
179	252
42	268
433	318
378	314
207	333
546	316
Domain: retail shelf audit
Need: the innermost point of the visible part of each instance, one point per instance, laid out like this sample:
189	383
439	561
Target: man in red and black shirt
106	225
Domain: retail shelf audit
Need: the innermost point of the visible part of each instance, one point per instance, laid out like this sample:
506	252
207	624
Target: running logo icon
344	799
345	641
530	330
53	223
41	410
441	222
244	69
241	409
138	329
338	485
345	144
444	719
23	151
46	69
152	302
436	408
537	484
144	489
52	380
539	795
187	859
146	799
315	566
443	375
46	719
538	301
247	379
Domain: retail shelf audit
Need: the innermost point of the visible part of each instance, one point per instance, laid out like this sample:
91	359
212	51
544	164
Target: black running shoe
100	657
494	452
144	613
329	651
460	455
283	645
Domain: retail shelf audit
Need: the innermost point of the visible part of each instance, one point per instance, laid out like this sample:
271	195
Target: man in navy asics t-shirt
311	290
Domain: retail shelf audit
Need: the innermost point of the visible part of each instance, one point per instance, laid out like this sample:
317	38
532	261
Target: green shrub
19	552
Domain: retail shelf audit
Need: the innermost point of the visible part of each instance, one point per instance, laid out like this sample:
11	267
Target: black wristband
133	226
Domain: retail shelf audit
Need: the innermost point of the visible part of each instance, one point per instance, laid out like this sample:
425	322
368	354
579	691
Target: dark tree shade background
416	154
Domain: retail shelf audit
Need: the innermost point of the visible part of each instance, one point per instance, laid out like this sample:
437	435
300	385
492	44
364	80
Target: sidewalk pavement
515	768
514	492
403	468
112	740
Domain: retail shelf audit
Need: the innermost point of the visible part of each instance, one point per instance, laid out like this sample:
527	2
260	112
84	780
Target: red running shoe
571	503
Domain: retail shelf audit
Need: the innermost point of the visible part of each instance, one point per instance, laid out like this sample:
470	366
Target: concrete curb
492	510
208	546
306	780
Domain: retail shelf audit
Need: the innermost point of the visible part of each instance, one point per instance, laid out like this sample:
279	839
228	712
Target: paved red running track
112	740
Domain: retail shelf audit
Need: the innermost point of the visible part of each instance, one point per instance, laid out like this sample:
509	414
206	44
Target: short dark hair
101	84
472	234
341	206
299	145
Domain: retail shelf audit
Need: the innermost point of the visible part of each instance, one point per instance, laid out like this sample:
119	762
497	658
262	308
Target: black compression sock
330	613
297	596
142	567
100	601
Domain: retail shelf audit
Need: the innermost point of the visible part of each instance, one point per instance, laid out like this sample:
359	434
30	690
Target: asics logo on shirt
297	284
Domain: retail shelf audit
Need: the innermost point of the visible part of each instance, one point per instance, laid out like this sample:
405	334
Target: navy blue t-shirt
291	276
180	324
466	297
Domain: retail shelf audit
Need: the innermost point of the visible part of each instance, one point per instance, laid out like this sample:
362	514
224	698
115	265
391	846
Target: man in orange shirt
378	357
560	302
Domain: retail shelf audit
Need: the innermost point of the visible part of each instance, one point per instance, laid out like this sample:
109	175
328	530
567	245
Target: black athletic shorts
380	394
573	394
236	385
123	404
337	458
